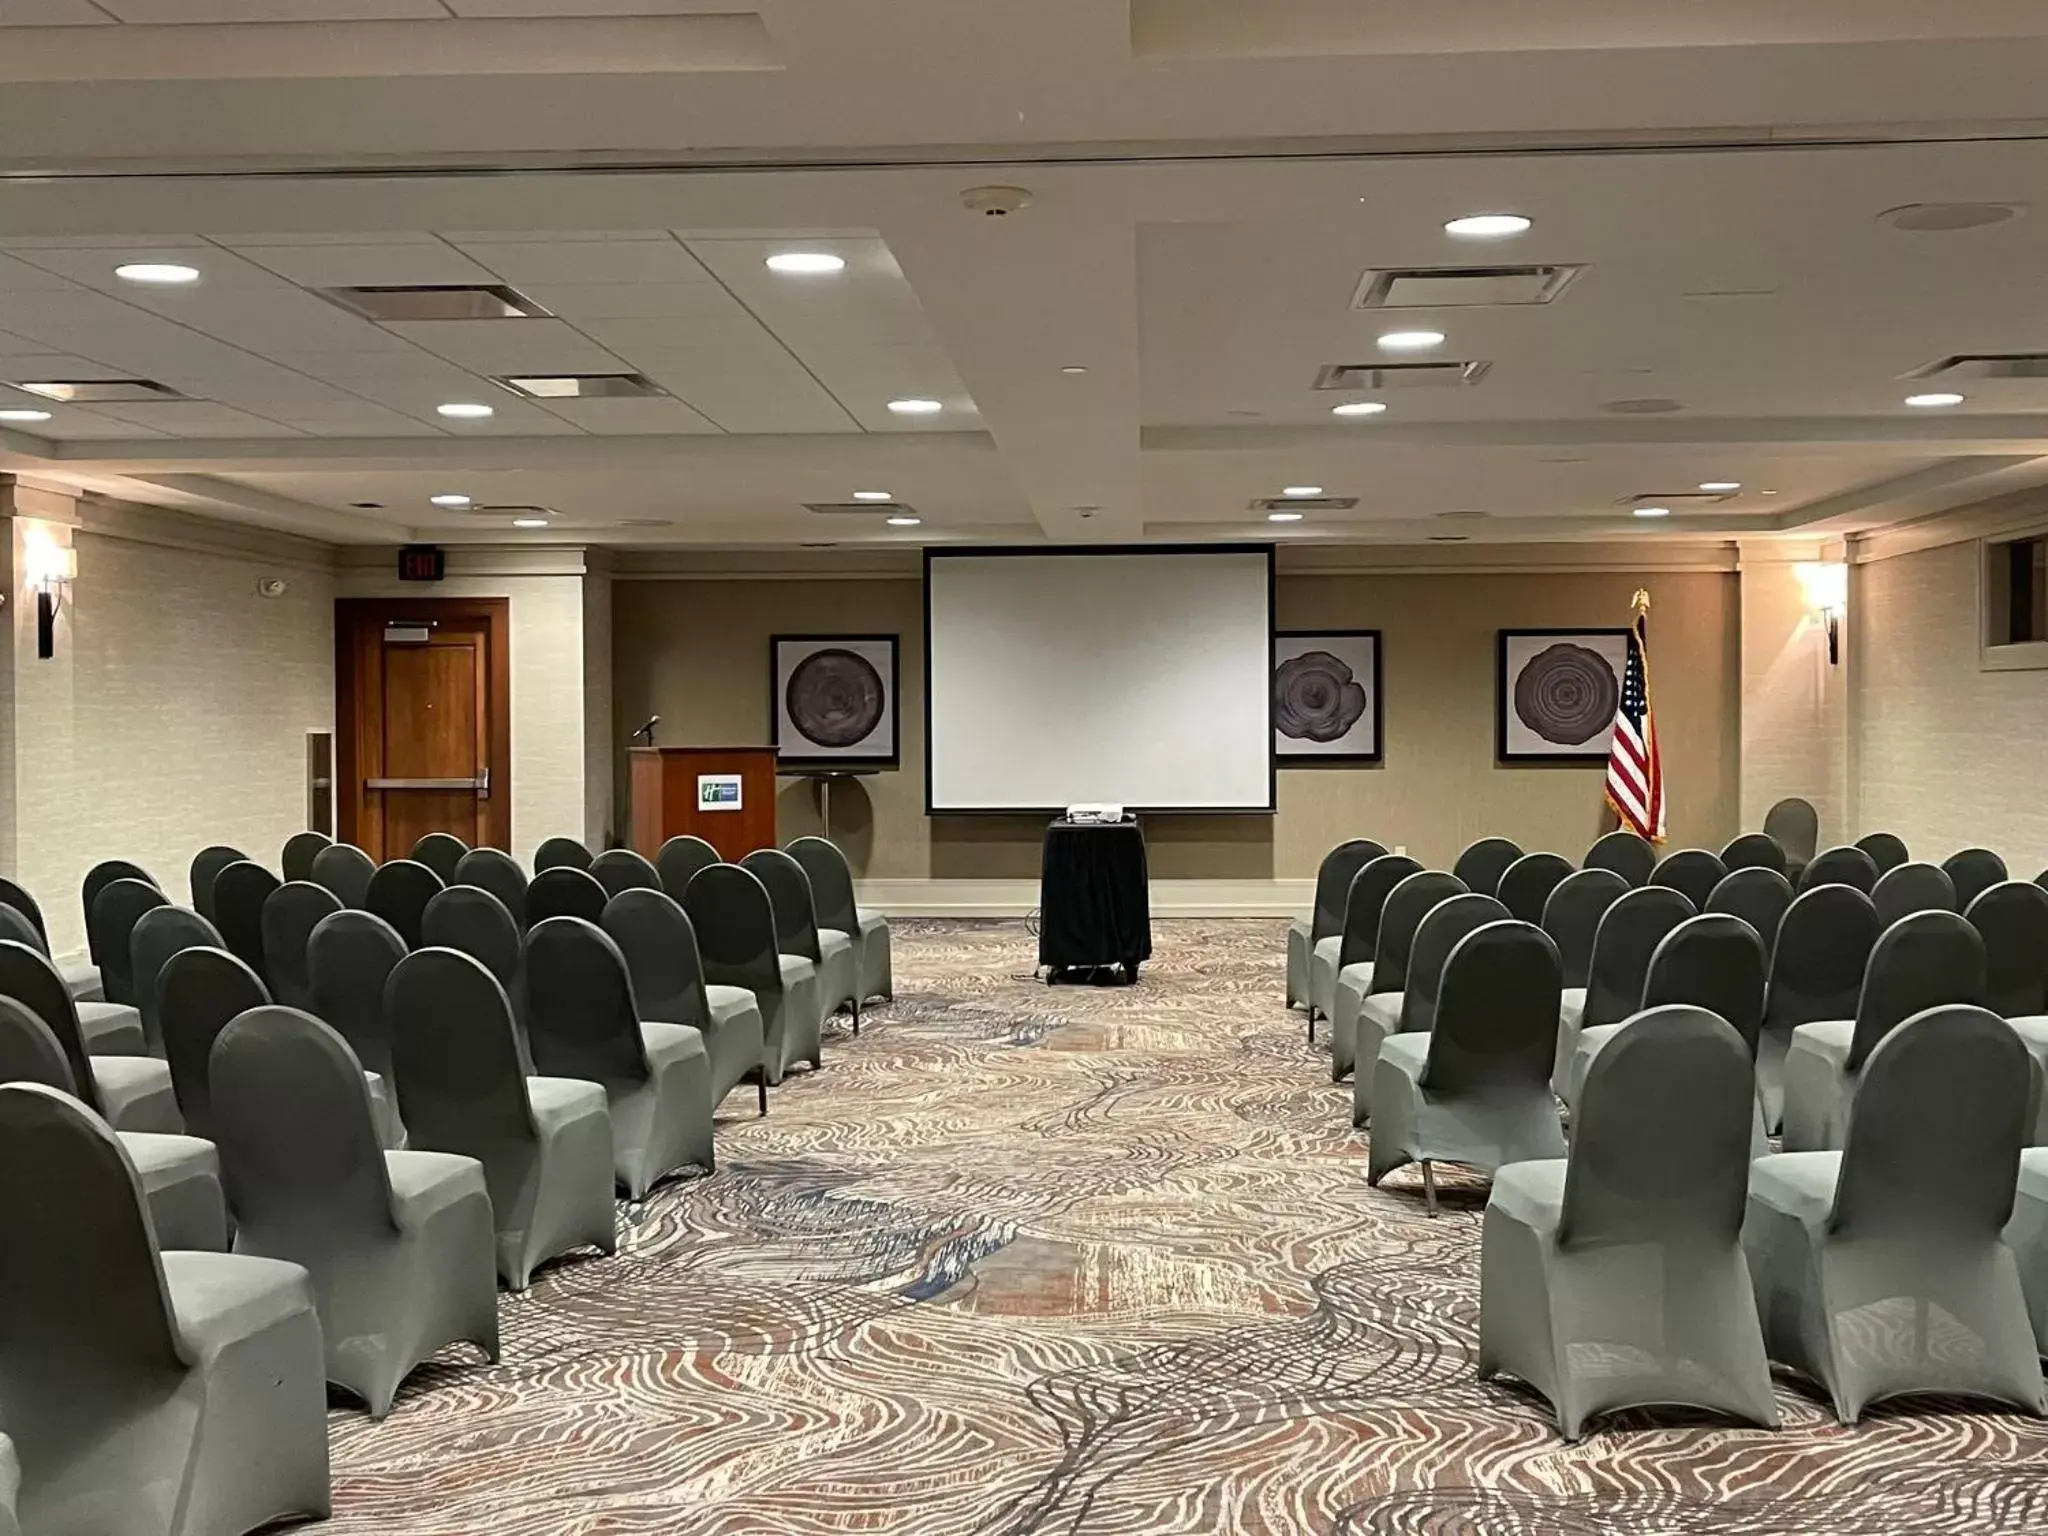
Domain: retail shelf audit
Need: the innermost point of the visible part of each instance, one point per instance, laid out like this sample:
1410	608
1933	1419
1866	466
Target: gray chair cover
1692	871
667	970
2027	1235
15	895
1627	938
1840	866
472	920
1476	1088
198	993
1436	936
679	859
1378	1012
206	867
399	1246
1927	960
110	925
832	892
560	853
300	850
1754	850
144	1392
2012	919
564	892
97	879
1572	917
1528	882
545	1143
1482	864
345	870
239	892
1795	826
1879	1269
735	922
133	1093
1974	871
159	934
621	869
349	959
1333	886
493	870
1624	854
797	932
180	1175
108	1029
584	1023
399	892
1353	955
1817	965
1905	889
441	852
1887	850
1758	896
290	914
1616	1279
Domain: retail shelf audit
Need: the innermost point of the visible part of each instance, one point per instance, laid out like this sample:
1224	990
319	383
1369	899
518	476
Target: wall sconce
1826	587
50	568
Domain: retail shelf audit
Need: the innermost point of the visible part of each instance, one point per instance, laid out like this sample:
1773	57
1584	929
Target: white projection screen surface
1129	677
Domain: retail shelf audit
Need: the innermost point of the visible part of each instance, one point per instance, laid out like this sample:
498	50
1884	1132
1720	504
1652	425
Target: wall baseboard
1016	898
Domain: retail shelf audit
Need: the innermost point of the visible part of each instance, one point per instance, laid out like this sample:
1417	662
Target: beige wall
1795	704
696	651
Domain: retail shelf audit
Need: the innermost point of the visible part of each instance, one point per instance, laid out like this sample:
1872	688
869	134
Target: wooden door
425	729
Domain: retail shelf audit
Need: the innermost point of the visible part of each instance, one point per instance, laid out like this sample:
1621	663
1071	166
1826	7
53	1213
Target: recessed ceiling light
1411	341
1301	490
1935	401
805	263
872	496
903	520
1283	517
1720	487
1487	226
164	273
1653	511
14	415
916	406
529	522
1358	408
450	499
465	410
1073	368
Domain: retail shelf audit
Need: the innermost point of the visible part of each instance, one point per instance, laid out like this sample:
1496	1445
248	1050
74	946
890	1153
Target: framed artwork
834	702
1556	694
1326	696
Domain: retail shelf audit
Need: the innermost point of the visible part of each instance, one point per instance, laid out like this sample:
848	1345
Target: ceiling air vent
100	391
435	301
860	508
503	510
1692	499
583	386
1305	504
1986	365
1460	287
1376	378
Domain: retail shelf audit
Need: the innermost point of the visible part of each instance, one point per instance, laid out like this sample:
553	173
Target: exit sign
422	562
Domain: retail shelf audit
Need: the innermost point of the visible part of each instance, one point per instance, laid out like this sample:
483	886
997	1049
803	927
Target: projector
1091	814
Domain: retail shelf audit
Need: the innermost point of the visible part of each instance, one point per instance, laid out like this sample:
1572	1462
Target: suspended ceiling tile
369	265
621	418
588	261
505	347
581	302
762	390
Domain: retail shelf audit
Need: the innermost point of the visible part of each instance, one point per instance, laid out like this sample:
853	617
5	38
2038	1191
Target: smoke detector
272	586
995	202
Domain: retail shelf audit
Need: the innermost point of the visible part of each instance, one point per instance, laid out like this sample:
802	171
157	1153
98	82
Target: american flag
1635	769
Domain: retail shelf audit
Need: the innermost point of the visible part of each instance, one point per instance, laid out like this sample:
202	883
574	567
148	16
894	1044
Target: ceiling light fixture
1283	517
1487	226
903	520
805	263
465	410
1720	487
529	522
1935	401
1653	511
872	496
1073	368
14	415
1411	341
450	499
168	274
1359	408
1301	490
916	406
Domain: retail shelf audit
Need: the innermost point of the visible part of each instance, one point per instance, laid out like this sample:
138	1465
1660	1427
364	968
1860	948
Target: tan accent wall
1795	704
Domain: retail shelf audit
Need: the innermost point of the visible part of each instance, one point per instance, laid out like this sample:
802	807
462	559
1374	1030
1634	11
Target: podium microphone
647	730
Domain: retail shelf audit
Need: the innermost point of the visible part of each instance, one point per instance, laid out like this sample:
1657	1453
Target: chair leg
856	1018
1311	1026
1429	1187
761	1083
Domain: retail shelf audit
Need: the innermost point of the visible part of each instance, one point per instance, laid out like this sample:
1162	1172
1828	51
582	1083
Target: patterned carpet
1024	1260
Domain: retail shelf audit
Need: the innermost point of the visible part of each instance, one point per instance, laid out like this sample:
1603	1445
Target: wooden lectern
725	795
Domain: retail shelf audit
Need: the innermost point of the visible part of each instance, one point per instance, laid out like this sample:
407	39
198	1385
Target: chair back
582	1019
679	860
1795	826
1439	932
1758	896
831	884
621	869
1408	903
1624	854
290	914
1623	947
455	1058
27	976
1927	960
1496	1013
1660	1135
1887	850
345	870
1714	961
1482	864
1973	872
1905	889
292	1119
111	927
29	1052
789	890
159	934
1693	872
564	892
1932	1149
440	852
734	919
472	921
1366	904
239	892
399	892
494	870
1340	866
198	992
350	956
207	864
15	926
1755	850
1572	916
561	853
16	896
667	969
2012	919
300	850
1527	883
1817	964
97	879
1840	866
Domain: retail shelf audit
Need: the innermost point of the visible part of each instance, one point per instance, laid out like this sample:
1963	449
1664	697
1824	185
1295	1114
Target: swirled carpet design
1023	1260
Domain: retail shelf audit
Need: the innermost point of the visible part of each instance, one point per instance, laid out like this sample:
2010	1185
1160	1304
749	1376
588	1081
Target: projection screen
1137	677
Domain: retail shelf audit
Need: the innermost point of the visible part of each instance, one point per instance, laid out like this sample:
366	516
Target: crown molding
2016	513
368	566
161	528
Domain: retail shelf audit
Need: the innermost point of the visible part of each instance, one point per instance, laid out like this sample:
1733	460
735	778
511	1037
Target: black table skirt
1094	905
